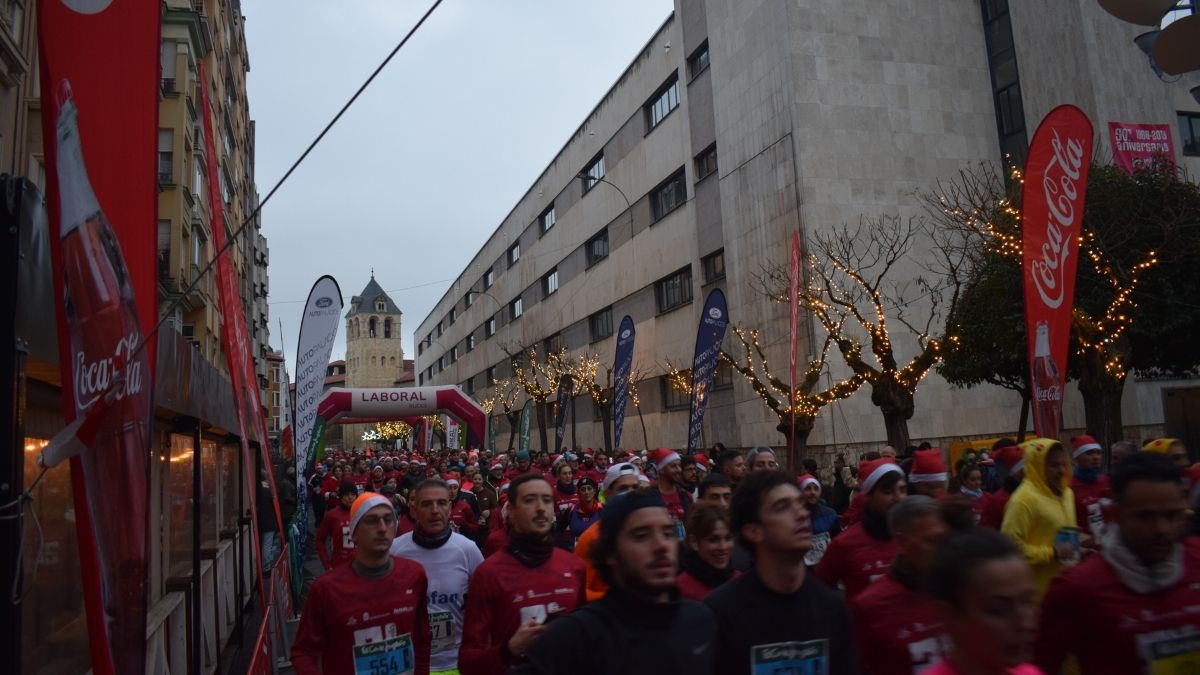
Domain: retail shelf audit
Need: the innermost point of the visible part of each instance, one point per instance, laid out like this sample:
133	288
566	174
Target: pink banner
1139	146
1056	175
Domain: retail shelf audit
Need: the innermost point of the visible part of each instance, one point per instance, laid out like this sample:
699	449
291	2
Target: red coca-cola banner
234	339
1056	175
99	83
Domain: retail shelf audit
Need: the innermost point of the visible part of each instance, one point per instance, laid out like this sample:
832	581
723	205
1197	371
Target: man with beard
641	625
761	458
670	472
864	552
449	560
733	465
689	476
778	618
514	592
522	466
619	479
1135	606
369	615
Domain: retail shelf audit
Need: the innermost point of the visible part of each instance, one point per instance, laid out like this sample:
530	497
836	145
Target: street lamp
601	179
499	305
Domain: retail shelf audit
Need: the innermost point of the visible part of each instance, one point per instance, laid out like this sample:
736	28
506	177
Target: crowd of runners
1026	558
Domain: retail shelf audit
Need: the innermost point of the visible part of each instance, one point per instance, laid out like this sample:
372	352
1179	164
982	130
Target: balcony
167	86
164	265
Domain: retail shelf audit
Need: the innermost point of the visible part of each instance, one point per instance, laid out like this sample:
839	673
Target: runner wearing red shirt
1134	607
368	616
1009	455
670	472
515	591
329	486
898	627
1090	486
864	552
335	527
565	494
522	466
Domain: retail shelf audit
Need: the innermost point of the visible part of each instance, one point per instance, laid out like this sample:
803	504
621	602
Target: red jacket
856	559
335	526
346	613
1089	613
464	518
993	511
1090	503
897	630
693	589
329	486
853	513
505	593
563	501
496	540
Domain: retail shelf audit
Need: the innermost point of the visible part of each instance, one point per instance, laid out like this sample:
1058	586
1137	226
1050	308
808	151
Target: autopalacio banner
714	319
622	366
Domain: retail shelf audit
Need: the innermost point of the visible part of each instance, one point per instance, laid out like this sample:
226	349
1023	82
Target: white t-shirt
449	568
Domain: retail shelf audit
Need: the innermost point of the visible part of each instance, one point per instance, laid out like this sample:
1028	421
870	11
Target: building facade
743	121
374	355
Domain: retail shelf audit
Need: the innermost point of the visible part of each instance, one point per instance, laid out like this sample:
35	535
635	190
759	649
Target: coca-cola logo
1046	394
119	372
1061	193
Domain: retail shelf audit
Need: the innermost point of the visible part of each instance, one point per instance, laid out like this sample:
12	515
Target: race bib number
392	656
820	542
1171	652
347	542
441	625
790	658
1095	520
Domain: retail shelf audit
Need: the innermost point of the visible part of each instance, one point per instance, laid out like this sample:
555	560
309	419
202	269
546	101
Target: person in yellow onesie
1040	508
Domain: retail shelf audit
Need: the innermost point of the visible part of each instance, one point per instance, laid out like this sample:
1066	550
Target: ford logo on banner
624	335
324	302
715	312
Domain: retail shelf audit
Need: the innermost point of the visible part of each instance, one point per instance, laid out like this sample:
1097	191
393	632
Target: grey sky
436	152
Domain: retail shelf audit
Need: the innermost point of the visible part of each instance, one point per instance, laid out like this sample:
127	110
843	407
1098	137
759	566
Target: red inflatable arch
369	405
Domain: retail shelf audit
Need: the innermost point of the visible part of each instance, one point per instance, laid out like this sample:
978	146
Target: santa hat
806	480
701	461
365	502
1160	445
1083	444
928	466
451	480
661	457
496	465
1012	456
870	472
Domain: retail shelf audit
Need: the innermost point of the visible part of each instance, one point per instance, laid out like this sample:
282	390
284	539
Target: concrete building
374	355
744	120
208	31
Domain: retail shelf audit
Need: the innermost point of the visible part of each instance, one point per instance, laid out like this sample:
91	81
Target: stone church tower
374	357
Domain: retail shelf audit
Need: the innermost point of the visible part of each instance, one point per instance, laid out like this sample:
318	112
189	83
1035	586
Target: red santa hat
1011	455
1081	445
451	480
496	465
806	480
701	461
661	457
870	472
928	466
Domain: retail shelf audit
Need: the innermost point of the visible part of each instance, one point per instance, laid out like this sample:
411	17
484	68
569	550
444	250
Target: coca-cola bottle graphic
106	363
1047	387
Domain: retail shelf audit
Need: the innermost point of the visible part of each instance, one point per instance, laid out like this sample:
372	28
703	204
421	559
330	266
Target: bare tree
538	378
504	396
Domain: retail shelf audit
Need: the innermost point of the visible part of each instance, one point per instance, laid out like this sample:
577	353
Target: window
662	103
469	386
593	173
454	354
470	342
597	248
1189	133
489	278
452	316
675	290
722	376
387	328
1006	88
439	329
467	299
668	196
489	327
371	330
553	344
674	399
714	266
490	376
429	340
166	157
550	283
380	306
698	61
421	379
706	163
441	364
546	220
198	254
514	309
514	254
601	324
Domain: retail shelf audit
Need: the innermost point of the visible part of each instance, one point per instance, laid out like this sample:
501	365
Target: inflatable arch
369	405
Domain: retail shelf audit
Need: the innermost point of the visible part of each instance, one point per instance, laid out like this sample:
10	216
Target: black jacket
621	634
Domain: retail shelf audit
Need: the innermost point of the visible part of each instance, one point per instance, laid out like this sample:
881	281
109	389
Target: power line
394	290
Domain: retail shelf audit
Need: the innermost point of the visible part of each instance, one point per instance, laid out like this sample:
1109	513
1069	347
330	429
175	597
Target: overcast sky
441	146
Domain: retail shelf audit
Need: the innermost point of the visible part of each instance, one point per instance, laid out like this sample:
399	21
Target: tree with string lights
505	394
854	294
538	378
1136	289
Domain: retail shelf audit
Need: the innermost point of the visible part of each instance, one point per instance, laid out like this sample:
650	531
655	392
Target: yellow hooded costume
1034	514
